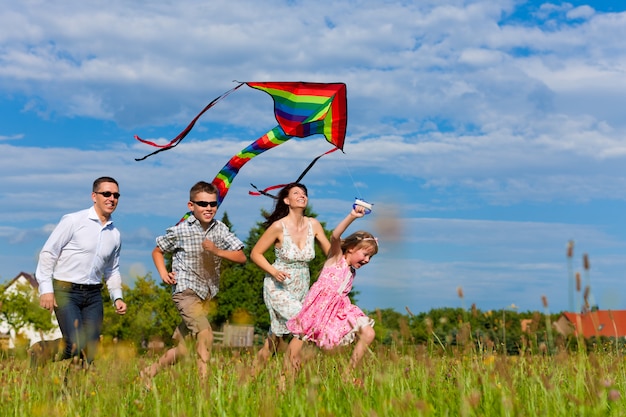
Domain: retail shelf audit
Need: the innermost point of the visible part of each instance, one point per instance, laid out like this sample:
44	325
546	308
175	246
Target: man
82	249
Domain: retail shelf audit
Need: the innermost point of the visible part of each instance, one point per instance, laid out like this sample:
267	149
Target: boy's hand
209	246
170	278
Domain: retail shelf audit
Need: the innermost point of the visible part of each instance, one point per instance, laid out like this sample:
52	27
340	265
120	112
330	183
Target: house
21	281
608	323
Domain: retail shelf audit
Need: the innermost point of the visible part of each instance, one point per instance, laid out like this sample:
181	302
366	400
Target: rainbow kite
302	109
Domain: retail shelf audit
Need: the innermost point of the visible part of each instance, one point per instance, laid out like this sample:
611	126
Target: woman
287	280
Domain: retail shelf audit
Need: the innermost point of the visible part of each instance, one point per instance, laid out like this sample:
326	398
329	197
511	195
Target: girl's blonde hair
358	240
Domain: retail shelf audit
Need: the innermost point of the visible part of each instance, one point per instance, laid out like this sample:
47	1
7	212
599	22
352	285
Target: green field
392	381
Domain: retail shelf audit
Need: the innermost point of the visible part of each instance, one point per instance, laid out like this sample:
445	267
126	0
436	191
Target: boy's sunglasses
107	194
205	203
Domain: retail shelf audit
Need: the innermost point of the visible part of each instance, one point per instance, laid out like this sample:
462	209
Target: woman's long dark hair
281	209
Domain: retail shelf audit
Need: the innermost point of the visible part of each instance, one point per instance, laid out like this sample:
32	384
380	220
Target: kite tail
186	131
265	190
185	217
225	177
273	187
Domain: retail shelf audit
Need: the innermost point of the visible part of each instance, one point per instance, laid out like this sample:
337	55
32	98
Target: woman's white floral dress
284	299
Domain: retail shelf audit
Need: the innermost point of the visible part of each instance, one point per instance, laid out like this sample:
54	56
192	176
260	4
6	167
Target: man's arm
112	276
48	257
50	254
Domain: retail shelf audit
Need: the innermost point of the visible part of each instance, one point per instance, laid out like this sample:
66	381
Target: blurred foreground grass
392	381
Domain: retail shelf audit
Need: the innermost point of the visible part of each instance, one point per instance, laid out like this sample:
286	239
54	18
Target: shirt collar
94	216
192	220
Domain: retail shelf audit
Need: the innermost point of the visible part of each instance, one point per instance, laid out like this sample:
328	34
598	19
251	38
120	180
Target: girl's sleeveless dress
284	299
327	317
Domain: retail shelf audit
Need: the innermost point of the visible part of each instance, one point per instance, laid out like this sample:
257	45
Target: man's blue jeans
80	313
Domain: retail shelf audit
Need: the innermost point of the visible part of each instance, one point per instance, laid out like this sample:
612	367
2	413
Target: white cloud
11	137
582	12
454	111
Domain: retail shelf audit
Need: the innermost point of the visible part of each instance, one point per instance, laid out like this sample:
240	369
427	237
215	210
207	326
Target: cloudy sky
487	133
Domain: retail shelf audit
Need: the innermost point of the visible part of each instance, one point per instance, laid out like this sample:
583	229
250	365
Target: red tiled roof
609	323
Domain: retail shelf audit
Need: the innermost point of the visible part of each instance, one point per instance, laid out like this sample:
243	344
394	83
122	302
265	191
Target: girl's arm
335	236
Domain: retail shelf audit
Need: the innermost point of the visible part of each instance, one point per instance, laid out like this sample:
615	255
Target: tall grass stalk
405	380
546	314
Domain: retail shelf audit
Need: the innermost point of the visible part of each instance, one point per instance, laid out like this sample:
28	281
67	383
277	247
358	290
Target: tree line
152	315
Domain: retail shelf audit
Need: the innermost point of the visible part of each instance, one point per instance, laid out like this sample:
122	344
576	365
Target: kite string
359	201
356	188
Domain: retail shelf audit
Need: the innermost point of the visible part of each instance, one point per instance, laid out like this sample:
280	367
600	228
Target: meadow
396	380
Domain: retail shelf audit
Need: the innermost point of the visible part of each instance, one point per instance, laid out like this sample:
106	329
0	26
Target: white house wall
28	332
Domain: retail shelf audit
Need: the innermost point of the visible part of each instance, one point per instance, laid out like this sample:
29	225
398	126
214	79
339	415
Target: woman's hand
280	276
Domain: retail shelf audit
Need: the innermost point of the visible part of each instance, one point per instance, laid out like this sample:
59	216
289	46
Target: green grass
392	381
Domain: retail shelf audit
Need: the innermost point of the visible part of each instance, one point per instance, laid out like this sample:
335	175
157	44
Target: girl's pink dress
328	318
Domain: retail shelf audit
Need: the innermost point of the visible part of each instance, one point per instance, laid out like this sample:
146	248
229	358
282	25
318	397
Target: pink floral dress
327	317
284	299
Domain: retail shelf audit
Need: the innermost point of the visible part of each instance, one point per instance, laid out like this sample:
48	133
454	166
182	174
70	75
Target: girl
328	318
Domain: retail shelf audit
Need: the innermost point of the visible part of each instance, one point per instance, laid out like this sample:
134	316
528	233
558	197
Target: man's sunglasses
107	194
205	203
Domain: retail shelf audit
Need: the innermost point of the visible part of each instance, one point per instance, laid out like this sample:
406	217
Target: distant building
608	323
526	325
8	335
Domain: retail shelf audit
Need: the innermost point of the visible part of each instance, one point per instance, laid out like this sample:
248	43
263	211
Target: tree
20	308
227	222
240	299
389	325
151	313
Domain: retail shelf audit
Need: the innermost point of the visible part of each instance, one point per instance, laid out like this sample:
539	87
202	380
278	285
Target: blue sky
487	134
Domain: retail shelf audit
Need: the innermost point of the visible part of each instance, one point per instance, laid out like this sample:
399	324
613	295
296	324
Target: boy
197	244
